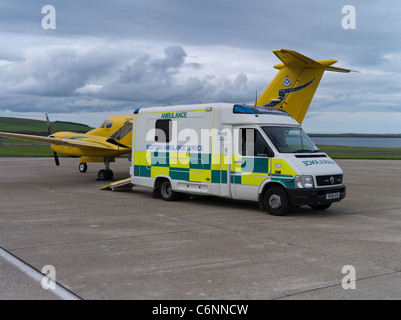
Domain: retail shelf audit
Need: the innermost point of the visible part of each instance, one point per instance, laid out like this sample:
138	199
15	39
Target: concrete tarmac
127	245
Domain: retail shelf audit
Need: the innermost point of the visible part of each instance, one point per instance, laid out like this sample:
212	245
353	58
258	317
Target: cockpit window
109	124
102	125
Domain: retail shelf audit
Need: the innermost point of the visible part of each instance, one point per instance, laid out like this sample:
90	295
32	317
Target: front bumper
315	196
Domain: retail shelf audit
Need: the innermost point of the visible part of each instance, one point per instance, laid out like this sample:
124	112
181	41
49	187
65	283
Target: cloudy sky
110	57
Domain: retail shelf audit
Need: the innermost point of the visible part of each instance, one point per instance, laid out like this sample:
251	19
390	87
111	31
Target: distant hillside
39	127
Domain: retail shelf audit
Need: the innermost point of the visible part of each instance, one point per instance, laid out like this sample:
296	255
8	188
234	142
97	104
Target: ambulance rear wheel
276	201
83	167
166	192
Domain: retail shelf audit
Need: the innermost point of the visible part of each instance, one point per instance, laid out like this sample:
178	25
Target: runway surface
127	245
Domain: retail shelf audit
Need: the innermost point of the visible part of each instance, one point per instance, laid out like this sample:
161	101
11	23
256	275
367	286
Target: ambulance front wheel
166	192
276	201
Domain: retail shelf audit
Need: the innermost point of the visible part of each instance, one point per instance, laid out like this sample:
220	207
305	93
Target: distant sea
359	141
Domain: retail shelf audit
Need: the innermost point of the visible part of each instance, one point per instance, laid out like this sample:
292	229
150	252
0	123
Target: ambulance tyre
276	201
166	192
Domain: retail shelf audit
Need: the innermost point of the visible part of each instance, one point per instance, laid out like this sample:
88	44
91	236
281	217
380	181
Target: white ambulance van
233	151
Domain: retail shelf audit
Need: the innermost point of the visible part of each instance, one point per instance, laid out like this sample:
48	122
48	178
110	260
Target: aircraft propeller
49	129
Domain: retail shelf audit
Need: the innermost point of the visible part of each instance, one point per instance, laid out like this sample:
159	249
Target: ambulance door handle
239	161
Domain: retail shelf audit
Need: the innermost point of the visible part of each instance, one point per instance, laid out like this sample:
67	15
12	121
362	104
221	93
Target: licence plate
333	195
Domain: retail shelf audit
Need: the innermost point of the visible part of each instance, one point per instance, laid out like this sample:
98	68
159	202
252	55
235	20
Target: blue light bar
246	109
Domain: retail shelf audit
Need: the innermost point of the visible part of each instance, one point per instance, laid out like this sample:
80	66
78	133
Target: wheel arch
159	179
269	184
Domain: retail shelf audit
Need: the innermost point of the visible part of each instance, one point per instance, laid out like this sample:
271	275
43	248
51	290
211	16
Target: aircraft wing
65	142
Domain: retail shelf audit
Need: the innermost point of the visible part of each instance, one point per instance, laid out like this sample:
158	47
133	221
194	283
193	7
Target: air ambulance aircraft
291	90
112	139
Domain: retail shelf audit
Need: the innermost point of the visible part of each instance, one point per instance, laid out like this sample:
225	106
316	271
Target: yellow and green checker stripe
253	171
202	167
194	167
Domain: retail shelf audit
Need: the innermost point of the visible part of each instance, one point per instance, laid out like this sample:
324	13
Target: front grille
329	180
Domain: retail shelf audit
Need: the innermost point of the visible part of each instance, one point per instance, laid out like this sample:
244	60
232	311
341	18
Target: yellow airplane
291	90
112	139
295	84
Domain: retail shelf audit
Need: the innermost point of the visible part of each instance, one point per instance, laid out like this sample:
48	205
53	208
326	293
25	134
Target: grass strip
20	148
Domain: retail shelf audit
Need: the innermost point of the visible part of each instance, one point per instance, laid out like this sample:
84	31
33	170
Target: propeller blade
56	159
49	128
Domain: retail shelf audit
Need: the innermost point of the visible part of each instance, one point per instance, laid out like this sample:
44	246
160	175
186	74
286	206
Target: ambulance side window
163	131
252	144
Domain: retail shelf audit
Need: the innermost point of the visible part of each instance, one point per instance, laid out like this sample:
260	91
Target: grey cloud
154	81
146	70
253	23
72	77
52	71
90	61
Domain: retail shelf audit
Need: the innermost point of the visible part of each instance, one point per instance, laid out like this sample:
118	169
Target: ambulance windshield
290	139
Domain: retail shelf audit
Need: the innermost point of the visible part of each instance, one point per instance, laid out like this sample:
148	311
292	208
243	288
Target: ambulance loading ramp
122	185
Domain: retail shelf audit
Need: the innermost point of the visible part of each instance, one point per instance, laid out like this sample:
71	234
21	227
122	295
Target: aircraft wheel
105	175
102	175
110	174
83	167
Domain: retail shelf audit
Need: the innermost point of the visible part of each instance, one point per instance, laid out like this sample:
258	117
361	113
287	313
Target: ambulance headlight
304	181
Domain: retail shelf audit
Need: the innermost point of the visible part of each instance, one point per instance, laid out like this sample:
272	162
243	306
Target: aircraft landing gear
83	167
105	174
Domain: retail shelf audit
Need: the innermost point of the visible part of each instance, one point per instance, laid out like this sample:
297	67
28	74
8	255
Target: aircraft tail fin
295	84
